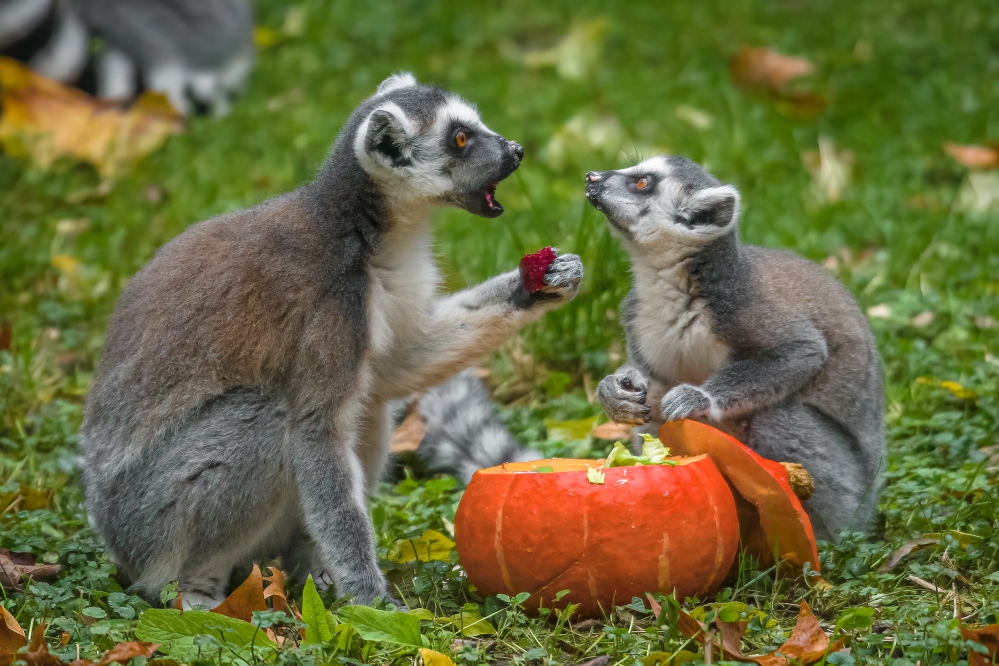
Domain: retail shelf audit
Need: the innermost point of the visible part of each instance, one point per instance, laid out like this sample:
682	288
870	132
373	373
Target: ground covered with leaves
853	154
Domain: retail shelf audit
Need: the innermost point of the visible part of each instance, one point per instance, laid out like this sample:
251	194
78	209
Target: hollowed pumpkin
646	528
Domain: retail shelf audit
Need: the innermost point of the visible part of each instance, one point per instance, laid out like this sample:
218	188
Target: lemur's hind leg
227	491
844	484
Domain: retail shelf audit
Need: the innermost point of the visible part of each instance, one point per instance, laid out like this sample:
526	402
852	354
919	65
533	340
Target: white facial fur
657	218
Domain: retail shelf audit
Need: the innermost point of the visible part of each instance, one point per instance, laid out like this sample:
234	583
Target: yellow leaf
594	475
959	391
421	613
66	263
265	37
471	624
44	120
432	545
432	658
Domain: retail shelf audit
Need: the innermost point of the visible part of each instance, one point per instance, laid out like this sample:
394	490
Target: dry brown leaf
245	599
25	498
808	642
409	434
972	156
37	653
768	68
45	120
275	591
909	547
612	430
987	636
6	336
12	636
15	566
123	652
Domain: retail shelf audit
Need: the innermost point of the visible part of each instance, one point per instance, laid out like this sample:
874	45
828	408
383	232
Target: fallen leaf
25	499
432	658
12	636
880	311
275	591
471	624
987	636
923	319
808	643
973	156
909	547
599	661
612	430
123	652
576	53
37	653
432	545
765	67
831	170
15	566
6	336
65	263
45	120
245	599
409	434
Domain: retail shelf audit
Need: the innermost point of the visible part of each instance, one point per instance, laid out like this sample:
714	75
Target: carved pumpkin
645	528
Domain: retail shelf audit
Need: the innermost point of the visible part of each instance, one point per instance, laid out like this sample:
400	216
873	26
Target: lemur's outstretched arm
467	325
751	384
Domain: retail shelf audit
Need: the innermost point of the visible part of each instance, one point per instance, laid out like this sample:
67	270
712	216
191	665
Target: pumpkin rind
646	528
776	521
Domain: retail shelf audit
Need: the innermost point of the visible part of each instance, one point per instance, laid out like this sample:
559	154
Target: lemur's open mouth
489	191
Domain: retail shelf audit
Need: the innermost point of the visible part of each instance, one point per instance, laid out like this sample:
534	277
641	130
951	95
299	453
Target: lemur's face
665	198
421	143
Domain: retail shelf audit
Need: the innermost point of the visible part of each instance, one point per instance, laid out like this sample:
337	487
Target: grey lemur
196	52
764	344
240	408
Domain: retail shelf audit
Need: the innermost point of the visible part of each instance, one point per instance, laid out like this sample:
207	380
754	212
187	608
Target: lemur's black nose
518	150
593	177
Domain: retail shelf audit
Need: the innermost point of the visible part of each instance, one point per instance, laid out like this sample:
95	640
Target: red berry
533	268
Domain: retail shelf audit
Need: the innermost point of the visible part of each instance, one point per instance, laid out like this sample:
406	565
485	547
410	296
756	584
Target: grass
900	78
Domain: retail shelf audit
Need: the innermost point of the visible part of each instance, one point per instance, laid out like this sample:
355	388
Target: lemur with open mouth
762	343
240	408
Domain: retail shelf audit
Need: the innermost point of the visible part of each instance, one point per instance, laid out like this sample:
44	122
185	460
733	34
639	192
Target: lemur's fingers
563	276
684	402
630	379
622	400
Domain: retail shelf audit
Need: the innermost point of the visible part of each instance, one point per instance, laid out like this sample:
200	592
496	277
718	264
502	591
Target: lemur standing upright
240	408
761	342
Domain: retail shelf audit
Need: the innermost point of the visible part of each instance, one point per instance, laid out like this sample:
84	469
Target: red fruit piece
533	268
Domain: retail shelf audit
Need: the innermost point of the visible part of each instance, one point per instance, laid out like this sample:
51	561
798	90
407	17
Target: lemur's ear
400	80
387	137
715	206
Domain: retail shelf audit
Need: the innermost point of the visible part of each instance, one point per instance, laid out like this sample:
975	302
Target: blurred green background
845	166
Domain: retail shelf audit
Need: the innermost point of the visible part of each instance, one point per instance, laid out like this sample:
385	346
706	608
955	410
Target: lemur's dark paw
623	395
685	402
563	277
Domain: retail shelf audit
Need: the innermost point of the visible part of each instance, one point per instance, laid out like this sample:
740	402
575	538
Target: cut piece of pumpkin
771	518
543	527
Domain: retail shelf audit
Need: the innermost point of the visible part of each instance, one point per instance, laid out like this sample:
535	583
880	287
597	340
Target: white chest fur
402	279
671	329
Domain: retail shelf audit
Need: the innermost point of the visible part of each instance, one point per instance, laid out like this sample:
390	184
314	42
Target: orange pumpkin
771	518
645	528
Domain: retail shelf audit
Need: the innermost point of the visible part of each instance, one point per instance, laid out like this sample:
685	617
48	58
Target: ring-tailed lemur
240	408
198	51
761	342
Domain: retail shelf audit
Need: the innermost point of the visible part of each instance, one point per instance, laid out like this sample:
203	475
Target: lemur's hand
560	284
685	402
563	277
622	396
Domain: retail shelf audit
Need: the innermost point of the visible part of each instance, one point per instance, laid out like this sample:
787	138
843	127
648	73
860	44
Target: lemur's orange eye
460	139
642	183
